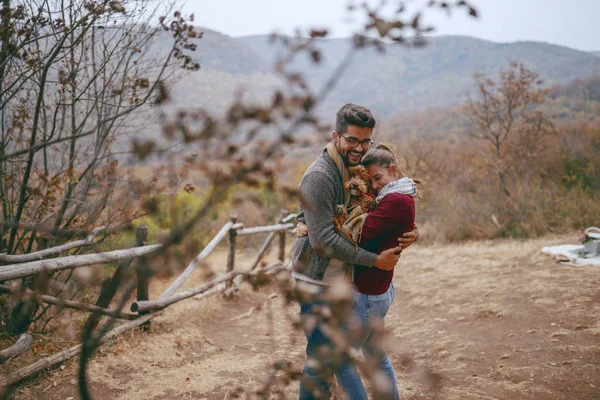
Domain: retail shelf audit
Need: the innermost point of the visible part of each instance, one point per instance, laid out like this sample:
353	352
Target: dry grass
494	320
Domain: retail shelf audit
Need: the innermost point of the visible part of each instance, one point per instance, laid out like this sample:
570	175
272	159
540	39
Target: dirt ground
494	320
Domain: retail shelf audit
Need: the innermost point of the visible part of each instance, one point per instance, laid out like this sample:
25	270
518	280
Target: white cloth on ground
572	254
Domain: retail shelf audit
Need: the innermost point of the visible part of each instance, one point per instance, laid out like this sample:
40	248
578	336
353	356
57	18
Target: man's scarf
341	166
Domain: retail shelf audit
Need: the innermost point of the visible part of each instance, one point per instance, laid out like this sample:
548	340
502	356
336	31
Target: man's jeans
320	378
365	309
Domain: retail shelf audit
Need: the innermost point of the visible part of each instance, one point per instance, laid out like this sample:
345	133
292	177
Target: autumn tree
73	77
505	114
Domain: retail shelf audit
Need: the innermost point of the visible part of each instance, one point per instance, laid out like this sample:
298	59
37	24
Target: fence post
263	250
143	272
232	240
110	286
284	213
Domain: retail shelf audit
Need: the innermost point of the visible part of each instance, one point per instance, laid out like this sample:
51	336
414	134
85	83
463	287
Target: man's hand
387	259
408	238
301	229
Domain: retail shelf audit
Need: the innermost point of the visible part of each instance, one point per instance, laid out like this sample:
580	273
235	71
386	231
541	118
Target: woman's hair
383	155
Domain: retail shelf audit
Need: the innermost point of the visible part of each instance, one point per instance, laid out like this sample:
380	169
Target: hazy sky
572	23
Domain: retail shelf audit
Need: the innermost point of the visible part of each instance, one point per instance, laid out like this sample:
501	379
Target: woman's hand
301	229
387	259
408	238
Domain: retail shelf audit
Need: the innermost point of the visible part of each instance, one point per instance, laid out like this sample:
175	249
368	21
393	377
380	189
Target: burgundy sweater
393	216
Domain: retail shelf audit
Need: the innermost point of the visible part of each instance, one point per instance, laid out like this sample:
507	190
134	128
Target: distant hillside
577	102
581	89
400	81
219	52
596	53
579	99
227	65
407	79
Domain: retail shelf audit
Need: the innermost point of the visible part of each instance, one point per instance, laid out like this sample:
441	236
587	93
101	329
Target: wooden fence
143	309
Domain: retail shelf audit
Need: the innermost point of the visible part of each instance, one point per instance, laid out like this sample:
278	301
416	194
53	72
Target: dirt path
495	320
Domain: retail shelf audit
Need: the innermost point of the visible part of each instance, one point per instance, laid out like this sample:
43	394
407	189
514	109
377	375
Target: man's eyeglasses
353	142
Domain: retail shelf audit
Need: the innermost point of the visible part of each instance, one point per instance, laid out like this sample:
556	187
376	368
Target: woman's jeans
366	309
370	309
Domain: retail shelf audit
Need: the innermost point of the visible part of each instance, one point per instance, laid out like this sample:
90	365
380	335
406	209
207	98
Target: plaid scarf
339	162
352	228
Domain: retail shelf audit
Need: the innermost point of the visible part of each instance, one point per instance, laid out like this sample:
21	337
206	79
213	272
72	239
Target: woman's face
381	176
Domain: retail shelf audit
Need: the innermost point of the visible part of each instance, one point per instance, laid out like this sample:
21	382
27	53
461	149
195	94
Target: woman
393	216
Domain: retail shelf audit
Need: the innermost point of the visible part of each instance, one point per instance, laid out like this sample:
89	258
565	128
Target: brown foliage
552	188
503	114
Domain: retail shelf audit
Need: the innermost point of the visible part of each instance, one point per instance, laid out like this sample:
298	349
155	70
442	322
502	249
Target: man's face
352	155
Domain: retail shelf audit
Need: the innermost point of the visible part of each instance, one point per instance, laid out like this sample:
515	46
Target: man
319	257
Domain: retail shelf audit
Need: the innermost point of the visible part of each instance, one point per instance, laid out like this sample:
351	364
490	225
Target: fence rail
28	265
10	272
53	251
23	343
76	305
264	229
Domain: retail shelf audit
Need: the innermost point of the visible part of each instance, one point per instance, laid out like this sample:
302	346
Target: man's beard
346	158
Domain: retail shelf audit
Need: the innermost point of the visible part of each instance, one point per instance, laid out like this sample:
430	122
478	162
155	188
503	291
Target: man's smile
355	154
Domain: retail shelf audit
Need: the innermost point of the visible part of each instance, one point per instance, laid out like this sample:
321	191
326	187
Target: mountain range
399	80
